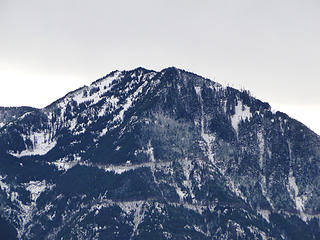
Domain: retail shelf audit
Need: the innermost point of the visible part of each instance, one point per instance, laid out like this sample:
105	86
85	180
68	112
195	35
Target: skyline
269	48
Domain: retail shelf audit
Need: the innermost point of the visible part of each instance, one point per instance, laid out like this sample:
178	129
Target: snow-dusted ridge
42	142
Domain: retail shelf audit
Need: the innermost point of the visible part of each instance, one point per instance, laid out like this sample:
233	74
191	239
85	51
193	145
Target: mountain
142	154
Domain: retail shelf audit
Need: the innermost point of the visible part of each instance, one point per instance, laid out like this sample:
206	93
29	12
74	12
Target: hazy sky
270	47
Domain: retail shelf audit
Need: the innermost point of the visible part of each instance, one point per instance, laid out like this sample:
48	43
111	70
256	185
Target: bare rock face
157	155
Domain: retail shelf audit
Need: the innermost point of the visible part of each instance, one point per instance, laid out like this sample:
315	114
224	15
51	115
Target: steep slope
159	155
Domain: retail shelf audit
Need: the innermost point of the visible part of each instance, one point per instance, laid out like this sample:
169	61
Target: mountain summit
142	154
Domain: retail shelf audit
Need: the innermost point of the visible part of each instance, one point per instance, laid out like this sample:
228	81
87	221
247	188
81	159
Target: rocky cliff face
158	155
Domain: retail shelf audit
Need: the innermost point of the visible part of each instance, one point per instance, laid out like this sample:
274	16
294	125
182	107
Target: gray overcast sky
270	47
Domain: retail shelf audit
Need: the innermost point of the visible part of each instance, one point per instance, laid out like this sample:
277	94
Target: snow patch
187	168
242	112
119	169
150	152
265	214
138	217
36	188
254	230
294	194
180	193
235	188
129	207
261	148
64	164
11	195
198	90
298	199
208	138
3	186
239	230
